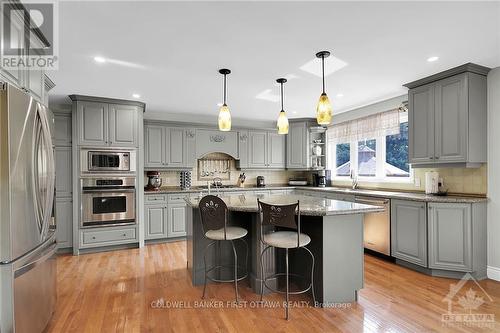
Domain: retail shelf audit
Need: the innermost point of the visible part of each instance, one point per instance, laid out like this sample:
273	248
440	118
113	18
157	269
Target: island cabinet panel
409	231
297	154
122	125
257	149
450	236
92	123
155	221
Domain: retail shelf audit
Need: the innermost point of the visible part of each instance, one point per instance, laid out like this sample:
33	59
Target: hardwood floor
113	292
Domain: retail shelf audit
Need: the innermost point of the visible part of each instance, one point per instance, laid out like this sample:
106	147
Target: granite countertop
415	196
310	206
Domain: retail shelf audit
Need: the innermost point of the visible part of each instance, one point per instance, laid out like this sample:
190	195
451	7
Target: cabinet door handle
437	157
432	157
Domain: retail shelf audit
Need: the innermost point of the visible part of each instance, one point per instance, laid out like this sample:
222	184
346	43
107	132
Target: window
367	158
342	159
396	157
383	158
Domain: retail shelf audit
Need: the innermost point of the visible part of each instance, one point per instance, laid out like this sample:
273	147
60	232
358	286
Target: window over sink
379	155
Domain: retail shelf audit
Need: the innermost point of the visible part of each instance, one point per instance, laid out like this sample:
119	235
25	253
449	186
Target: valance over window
380	124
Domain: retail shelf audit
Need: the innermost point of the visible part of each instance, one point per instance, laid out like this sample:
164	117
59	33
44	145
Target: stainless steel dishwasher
377	226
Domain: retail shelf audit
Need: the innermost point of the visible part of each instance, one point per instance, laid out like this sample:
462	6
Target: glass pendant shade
224	118
324	110
282	123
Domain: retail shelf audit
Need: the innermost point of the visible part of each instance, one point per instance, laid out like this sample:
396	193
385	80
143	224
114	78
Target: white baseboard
493	273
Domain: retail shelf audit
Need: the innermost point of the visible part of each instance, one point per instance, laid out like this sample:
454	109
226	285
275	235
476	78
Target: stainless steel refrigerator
27	228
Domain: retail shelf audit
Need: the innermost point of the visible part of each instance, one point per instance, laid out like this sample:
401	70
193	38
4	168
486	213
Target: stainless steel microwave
108	160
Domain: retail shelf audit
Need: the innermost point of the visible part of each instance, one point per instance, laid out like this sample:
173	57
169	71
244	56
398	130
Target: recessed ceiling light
219	104
432	59
294	112
99	59
136	96
340	95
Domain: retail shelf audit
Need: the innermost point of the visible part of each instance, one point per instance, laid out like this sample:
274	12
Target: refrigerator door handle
50	171
29	266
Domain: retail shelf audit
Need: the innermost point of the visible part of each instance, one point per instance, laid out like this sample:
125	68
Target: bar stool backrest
213	211
285	216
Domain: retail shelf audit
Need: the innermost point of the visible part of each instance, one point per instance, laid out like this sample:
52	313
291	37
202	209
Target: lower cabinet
97	237
450	236
155	222
164	219
409	231
64	222
176	220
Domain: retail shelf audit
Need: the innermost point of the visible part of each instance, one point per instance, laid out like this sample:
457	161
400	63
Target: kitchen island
335	228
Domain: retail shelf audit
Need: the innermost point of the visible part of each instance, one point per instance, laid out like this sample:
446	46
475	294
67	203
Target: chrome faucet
354	179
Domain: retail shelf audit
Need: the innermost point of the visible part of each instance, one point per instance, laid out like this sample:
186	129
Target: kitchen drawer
176	198
108	236
155	198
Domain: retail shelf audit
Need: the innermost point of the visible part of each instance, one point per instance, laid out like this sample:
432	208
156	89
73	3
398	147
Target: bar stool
213	211
283	216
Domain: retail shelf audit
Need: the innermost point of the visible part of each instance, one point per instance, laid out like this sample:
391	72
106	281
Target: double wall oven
108	188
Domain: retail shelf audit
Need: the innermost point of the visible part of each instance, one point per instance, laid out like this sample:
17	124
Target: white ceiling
170	52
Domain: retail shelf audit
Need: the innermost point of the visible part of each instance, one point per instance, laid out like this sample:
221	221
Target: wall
493	174
456	180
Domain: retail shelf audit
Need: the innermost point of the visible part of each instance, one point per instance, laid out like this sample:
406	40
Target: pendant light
282	119
324	108
224	114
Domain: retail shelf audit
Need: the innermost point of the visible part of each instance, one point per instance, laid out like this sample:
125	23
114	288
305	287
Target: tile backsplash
456	180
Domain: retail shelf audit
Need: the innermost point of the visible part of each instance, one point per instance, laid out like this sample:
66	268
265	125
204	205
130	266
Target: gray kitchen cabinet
276	148
166	147
62	129
266	150
243	149
97	237
175	147
106	122
421	124
190	159
30	80
122	125
447	118
64	222
257	145
92	120
155	221
450	236
64	177
296	146
154	146
176	220
409	231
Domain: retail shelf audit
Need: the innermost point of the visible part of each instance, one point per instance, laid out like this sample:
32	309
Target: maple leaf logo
470	301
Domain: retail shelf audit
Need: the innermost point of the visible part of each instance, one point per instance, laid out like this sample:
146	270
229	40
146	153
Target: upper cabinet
168	147
447	118
103	122
303	135
214	141
265	150
32	80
